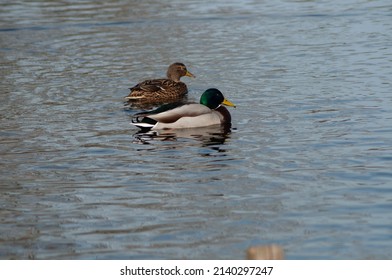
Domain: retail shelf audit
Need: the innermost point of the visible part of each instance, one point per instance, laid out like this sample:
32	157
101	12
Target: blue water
307	163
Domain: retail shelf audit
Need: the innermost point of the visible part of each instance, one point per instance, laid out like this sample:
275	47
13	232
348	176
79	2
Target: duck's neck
226	117
173	76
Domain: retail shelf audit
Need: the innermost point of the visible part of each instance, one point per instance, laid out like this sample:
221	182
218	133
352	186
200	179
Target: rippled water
307	163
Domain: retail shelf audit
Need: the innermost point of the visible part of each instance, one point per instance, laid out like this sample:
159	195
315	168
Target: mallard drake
190	115
162	90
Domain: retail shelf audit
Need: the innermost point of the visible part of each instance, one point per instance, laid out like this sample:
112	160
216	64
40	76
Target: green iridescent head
213	98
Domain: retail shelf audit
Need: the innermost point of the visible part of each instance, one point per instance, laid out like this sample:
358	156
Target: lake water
307	163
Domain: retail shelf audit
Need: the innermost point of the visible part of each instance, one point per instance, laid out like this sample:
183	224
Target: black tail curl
142	119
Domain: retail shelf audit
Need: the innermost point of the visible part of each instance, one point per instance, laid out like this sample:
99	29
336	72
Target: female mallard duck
162	90
179	115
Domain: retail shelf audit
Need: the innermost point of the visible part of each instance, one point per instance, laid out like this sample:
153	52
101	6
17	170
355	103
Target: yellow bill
228	103
189	74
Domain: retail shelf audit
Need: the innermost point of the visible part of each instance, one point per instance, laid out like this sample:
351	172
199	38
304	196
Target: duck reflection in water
208	136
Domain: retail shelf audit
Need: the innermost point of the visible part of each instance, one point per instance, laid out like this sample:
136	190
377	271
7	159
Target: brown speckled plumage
162	90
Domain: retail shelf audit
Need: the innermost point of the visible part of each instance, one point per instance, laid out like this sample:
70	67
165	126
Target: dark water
307	163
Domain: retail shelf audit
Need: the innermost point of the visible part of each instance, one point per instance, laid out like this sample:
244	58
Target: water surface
307	163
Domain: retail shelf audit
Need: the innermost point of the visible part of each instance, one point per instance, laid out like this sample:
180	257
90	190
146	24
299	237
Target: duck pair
178	114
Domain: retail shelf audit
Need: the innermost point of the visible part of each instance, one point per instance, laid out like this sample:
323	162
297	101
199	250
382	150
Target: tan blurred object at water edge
266	252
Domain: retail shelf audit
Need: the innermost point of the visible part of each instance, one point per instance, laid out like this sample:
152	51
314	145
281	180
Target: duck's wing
169	113
208	119
174	114
153	86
